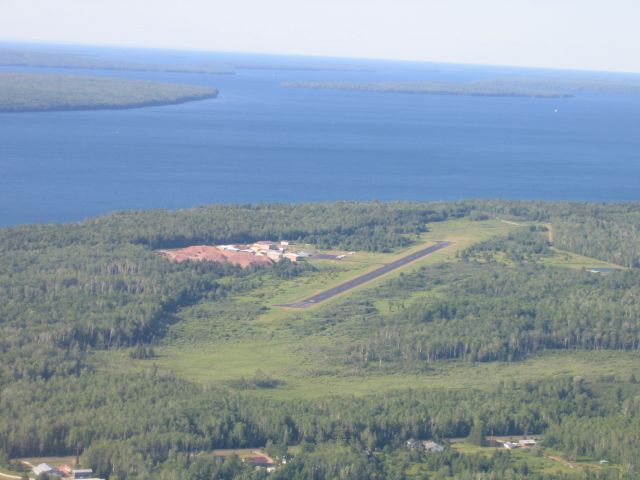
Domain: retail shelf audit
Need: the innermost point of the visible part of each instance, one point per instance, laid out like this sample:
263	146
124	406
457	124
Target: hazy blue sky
589	34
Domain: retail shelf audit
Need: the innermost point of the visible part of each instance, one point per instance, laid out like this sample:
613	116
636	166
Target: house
510	445
275	255
264	245
527	442
600	270
291	256
432	447
48	469
286	243
259	461
66	470
413	443
83	473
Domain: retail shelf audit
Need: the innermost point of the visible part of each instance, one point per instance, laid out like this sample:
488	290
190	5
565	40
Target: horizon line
311	56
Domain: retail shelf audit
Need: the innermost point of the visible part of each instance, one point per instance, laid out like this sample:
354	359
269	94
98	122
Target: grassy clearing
539	460
562	258
221	363
53	461
303	377
240	452
10	474
219	342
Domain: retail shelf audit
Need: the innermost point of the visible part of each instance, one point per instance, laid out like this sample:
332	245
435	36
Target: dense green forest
29	92
89	315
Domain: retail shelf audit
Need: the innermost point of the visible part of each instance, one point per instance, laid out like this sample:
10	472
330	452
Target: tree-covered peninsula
32	92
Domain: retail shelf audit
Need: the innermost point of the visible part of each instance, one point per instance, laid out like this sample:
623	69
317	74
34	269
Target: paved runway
389	267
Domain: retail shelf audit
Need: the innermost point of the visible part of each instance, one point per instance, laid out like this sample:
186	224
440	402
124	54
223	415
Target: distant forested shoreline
500	87
40	92
475	89
42	59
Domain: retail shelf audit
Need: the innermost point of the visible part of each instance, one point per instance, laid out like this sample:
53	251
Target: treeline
609	232
488	312
602	232
136	425
612	438
474	89
371	226
524	245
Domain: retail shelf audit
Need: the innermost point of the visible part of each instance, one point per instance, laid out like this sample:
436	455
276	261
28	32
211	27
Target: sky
572	34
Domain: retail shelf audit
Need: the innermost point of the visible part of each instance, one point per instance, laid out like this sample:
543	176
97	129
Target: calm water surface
259	142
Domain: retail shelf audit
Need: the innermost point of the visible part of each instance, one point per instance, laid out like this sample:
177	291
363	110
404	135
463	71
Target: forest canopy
89	314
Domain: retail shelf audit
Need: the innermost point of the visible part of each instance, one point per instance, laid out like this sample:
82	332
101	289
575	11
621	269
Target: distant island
33	92
501	87
32	58
19	57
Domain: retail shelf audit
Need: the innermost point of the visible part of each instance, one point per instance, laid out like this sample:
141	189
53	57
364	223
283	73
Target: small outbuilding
527	442
413	443
432	447
45	468
275	255
265	245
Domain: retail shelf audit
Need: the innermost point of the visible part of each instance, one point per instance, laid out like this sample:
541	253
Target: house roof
258	460
44	468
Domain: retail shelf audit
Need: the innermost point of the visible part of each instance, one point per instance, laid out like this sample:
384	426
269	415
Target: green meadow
217	343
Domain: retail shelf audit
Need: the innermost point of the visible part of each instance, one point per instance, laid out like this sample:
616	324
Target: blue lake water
259	142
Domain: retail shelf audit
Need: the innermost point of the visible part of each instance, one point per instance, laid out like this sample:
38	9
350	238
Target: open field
563	258
8	474
304	378
219	343
541	463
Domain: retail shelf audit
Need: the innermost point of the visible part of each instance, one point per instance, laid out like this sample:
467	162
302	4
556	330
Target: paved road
367	277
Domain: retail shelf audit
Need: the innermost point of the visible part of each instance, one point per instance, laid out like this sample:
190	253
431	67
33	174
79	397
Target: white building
48	469
527	442
291	256
432	447
275	255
